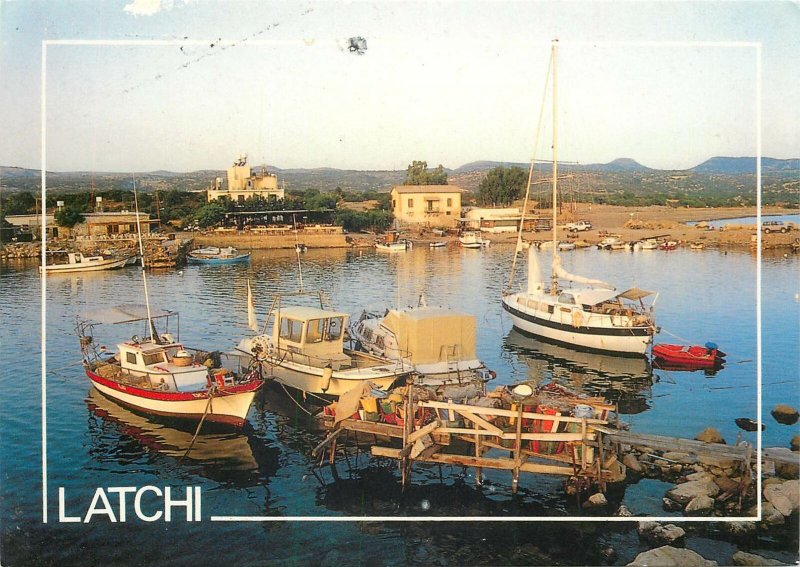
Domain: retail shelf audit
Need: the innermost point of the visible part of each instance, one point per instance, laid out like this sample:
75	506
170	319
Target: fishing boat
438	244
596	317
392	242
649	244
688	357
565	246
697	246
611	243
216	255
157	374
67	262
668	245
303	348
473	239
440	344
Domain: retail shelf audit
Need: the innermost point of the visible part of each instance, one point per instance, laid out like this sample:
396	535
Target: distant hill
467	176
741	165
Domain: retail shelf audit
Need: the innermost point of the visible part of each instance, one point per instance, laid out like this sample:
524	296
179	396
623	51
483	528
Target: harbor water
267	470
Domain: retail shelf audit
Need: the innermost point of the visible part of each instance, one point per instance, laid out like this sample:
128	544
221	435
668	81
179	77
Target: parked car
579	226
775	226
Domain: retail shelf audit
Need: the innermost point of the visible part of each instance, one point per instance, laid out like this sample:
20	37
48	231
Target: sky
184	85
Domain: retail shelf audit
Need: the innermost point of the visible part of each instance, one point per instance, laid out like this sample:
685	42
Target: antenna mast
151	326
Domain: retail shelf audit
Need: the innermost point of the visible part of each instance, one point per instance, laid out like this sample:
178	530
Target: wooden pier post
517	452
478	453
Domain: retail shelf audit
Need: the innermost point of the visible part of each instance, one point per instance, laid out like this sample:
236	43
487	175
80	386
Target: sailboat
596	317
158	374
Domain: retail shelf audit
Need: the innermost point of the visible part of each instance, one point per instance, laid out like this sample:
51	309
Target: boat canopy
592	296
635	294
127	313
433	334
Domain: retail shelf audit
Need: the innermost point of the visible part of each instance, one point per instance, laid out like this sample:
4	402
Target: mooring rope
295	401
211	391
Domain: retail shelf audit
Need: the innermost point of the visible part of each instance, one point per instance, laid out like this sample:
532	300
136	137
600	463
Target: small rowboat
688	357
214	255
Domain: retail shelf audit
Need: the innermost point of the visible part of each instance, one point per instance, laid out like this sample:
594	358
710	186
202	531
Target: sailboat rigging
596	317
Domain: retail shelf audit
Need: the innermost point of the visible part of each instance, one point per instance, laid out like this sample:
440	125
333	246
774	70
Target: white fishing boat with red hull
159	375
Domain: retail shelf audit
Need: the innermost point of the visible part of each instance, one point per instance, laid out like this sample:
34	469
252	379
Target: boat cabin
162	364
430	335
316	333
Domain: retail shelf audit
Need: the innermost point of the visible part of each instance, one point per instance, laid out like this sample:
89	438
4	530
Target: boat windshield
335	326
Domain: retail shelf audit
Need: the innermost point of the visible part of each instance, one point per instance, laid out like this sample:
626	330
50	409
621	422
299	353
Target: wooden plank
373	427
507	413
378	451
327	441
511	435
482	422
422	431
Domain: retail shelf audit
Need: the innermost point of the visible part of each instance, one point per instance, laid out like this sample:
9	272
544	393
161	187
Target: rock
623	512
716	463
772	480
700	506
726	484
740	530
671	505
748	424
743	558
710	435
607	554
785	415
657	534
770	516
785	497
685	492
676	468
704	475
632	463
788	471
596	501
668	556
795	443
683	458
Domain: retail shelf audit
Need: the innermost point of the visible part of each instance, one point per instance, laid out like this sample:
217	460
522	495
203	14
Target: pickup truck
579	226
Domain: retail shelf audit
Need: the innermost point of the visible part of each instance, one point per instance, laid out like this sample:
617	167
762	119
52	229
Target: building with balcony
427	205
243	183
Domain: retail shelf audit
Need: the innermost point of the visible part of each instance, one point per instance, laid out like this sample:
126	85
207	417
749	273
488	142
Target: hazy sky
448	82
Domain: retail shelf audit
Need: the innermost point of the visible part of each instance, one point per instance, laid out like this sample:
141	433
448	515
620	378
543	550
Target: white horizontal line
673	519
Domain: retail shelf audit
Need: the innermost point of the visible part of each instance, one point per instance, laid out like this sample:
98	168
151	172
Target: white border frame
757	46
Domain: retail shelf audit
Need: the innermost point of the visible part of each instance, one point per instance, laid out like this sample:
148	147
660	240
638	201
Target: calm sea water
266	470
750	220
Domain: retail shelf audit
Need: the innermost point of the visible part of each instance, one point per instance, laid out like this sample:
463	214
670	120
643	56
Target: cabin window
335	325
449	202
291	330
130	357
153	358
566	298
314	330
411	203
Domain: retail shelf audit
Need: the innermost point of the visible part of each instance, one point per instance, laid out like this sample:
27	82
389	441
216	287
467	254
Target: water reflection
623	380
122	436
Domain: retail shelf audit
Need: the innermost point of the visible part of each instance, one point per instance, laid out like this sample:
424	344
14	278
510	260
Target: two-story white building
427	205
243	183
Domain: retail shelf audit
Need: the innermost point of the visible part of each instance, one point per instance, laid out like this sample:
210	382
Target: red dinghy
689	357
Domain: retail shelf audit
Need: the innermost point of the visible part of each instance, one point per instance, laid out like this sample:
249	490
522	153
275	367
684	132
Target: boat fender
327	374
711	346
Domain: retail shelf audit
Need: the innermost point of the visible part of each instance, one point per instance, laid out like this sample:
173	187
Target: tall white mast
554	287
153	334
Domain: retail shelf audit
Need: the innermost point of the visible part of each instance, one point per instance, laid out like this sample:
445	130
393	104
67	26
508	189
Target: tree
68	217
210	214
418	174
501	186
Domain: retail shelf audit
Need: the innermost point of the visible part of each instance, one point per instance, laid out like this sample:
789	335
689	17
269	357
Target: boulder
702	475
726	484
656	534
683	458
710	435
632	462
700	506
785	497
770	516
668	556
740	530
788	471
623	511
685	492
596	500
743	558
785	415
795	443
671	505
